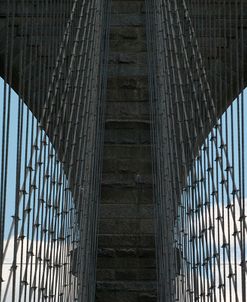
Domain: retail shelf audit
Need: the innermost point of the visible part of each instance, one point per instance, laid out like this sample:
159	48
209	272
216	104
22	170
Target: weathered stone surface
106	252
127	240
126	180
127	225
126	212
110	195
106	275
128	286
147	298
127	263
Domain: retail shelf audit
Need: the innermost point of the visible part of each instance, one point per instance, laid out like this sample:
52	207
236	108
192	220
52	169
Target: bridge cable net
54	56
197	68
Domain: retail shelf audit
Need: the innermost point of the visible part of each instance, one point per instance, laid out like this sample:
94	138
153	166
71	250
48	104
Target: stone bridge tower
126	256
193	47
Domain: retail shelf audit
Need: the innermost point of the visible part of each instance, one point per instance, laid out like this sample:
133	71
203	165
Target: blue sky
29	119
28	115
29	133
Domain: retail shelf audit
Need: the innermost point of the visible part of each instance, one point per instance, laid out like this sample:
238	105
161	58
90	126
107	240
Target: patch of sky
221	163
215	198
37	186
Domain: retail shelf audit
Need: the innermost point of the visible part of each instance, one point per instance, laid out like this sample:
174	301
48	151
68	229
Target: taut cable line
197	53
49	246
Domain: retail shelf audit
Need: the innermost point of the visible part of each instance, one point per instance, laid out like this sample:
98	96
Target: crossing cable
200	233
45	193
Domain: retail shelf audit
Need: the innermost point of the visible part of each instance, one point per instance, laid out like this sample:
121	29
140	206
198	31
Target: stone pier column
126	255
